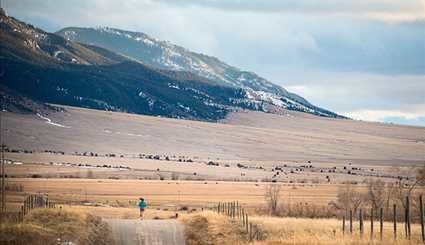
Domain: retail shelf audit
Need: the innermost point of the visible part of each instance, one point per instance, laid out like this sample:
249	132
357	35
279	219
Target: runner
142	206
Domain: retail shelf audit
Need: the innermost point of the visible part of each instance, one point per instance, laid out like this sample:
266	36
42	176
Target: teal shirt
143	204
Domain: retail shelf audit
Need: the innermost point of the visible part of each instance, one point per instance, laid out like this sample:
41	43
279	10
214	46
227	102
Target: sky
361	58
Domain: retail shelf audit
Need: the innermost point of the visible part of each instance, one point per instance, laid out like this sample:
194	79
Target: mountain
165	55
37	67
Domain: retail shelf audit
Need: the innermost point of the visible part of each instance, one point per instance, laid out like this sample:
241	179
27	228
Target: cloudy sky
361	58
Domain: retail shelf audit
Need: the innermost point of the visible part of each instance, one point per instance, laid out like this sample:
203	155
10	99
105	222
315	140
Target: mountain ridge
48	68
45	68
166	55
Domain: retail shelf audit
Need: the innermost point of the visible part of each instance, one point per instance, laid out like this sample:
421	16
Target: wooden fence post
22	214
421	209
232	209
408	217
371	223
361	222
381	222
395	220
246	222
351	221
250	231
343	225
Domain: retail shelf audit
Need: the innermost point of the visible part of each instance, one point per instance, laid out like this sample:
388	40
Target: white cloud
383	115
383	10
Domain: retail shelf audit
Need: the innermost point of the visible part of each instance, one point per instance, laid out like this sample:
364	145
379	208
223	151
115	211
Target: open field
170	194
49	165
247	146
243	136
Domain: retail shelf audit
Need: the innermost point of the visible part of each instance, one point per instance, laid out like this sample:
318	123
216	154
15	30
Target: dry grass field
243	136
212	228
170	194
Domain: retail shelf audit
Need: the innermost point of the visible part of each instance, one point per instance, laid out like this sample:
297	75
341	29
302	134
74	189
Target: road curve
146	232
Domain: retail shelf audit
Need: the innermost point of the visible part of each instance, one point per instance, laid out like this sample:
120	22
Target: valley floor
250	137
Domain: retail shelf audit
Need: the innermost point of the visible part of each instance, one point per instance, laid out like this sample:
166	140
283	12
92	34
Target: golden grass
207	228
326	231
25	234
277	231
47	226
171	193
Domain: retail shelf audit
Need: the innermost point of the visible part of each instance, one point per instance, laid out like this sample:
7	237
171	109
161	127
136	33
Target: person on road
142	205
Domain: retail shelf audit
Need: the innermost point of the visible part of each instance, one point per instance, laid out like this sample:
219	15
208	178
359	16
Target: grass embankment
49	226
205	228
211	228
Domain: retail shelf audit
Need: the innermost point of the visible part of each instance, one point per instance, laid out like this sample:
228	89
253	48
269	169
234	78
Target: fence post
381	222
395	220
421	209
371	223
408	216
361	222
246	222
232	209
250	231
351	221
237	209
343	225
22	214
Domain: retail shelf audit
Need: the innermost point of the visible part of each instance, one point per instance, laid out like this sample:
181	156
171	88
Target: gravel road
147	232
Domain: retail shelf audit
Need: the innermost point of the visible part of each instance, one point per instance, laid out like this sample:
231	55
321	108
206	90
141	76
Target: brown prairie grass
25	234
211	228
208	228
48	226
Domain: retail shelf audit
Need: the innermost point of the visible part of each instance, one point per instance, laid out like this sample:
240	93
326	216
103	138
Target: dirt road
147	232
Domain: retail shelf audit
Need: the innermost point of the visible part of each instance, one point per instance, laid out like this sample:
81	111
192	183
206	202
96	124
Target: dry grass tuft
208	228
51	225
25	234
